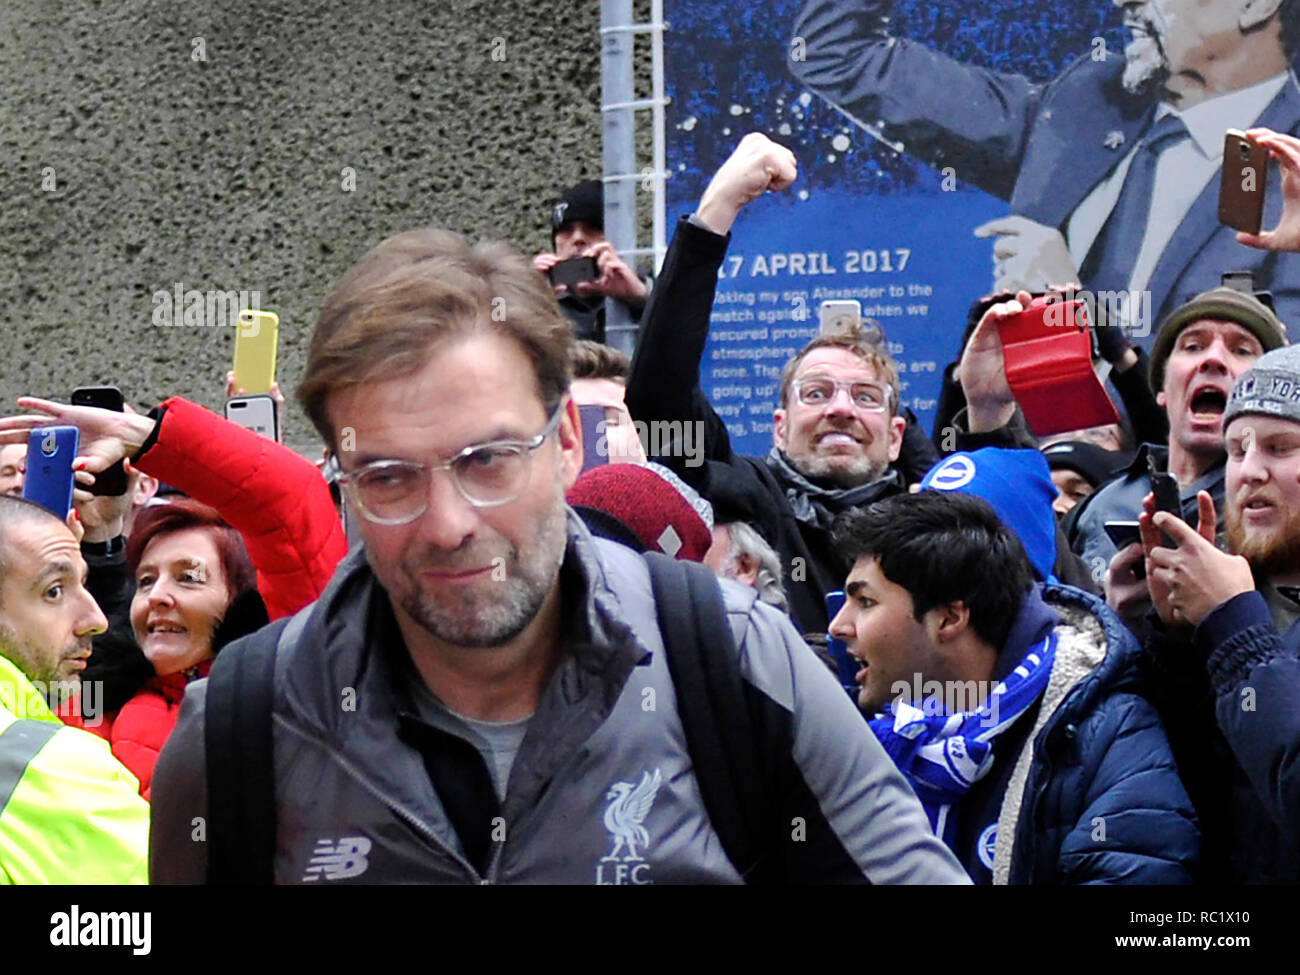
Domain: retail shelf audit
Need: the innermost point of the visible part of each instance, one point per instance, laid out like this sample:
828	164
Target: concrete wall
146	144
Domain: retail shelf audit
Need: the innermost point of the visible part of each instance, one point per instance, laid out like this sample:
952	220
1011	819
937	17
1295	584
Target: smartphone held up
573	271
256	413
1047	358
256	344
1243	183
256	341
50	455
112	482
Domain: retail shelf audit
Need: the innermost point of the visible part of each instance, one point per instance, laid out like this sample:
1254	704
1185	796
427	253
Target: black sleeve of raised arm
1150	422
664	381
1013	435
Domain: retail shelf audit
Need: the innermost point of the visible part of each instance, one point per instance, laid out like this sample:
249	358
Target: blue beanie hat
1018	484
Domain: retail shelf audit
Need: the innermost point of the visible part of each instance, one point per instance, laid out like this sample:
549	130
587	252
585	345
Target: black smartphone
1123	533
573	270
112	482
1244	281
1165	490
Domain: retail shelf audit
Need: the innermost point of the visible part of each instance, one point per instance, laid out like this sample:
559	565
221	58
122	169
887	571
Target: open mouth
1208	403
154	628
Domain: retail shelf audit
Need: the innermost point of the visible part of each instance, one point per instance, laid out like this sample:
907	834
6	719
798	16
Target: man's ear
948	622
1255	12
1161	399
143	488
896	427
570	434
746	569
778	428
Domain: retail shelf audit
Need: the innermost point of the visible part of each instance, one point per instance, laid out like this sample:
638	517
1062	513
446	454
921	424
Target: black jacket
1095	797
664	385
587	315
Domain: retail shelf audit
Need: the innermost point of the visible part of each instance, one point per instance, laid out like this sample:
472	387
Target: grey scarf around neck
815	505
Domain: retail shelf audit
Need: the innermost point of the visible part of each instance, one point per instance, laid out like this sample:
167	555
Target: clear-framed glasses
870	397
394	492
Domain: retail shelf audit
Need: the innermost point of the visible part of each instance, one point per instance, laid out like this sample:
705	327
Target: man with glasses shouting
481	693
838	432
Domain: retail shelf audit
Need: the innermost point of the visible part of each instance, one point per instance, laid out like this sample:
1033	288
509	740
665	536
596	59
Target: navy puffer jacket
1095	796
1228	693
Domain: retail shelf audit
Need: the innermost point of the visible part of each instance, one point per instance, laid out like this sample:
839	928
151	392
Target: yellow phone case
255	345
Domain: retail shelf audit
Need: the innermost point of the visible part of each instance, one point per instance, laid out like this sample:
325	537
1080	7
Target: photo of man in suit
1111	168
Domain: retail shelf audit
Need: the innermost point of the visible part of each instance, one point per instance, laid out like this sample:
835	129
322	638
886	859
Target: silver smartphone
837	316
255	412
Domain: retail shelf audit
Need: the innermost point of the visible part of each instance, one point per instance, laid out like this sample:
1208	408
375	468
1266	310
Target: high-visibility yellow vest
70	813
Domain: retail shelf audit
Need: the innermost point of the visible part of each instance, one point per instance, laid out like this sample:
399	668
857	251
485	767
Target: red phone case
1047	350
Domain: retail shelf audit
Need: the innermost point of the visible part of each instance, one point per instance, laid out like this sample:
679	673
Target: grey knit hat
1270	388
1220	304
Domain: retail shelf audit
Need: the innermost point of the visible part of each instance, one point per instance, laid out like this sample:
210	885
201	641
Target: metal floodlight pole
618	131
622	181
657	114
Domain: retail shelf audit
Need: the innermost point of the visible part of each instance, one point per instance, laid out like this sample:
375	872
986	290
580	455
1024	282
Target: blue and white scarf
942	756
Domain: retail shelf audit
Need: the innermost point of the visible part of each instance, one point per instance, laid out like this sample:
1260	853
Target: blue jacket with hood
1094	797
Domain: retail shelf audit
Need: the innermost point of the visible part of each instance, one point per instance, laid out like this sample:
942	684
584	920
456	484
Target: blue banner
917	122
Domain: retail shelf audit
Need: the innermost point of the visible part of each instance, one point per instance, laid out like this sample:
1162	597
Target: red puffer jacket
277	500
139	730
281	506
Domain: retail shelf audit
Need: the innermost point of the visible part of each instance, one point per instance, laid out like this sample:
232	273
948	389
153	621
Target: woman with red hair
196	590
260	540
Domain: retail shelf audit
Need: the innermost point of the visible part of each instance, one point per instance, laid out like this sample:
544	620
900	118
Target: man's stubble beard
27	661
493	611
864	470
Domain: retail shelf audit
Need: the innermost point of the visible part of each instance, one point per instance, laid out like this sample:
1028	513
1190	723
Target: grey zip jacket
602	790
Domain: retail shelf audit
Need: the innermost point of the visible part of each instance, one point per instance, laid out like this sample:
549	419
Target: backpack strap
237	746
704	663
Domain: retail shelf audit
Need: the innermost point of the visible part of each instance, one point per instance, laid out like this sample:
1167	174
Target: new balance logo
340	861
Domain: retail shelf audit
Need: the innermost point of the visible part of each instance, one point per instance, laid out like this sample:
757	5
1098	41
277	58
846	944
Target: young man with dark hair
1014	710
